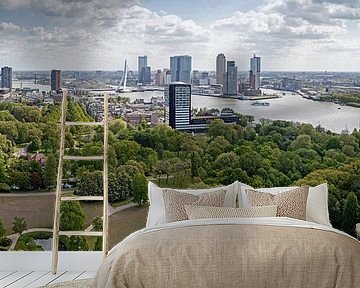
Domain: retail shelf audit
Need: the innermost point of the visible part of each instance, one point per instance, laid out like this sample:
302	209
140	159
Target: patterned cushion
291	204
175	201
201	212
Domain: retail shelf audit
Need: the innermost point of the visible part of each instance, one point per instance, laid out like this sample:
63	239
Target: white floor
32	269
32	279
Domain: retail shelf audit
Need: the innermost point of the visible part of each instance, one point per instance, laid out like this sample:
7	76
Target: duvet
237	252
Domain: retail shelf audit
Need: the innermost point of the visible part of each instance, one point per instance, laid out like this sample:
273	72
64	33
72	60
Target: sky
288	35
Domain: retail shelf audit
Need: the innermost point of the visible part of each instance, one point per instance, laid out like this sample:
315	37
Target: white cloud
9	27
95	34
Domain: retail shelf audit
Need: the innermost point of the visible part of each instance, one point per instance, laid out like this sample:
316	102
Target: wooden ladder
60	197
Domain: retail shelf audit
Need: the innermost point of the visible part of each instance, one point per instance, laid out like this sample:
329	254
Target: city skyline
298	35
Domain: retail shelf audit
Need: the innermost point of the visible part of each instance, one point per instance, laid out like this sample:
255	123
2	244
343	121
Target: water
289	107
30	84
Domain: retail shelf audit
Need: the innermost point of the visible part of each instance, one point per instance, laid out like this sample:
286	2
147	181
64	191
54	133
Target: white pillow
317	203
211	212
156	214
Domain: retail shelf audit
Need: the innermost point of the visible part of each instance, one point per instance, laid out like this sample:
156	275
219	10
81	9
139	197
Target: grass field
38	213
125	222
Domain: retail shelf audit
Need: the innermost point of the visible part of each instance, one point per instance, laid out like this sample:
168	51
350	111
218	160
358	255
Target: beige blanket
234	253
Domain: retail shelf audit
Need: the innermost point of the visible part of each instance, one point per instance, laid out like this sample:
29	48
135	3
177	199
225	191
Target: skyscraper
147	75
167	76
159	78
180	67
220	68
178	105
254	73
230	79
6	77
56	80
144	71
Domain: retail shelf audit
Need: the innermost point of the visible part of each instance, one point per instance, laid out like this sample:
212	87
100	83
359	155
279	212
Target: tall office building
180	67
254	73
56	80
6	77
167	76
147	75
159	78
220	68
178	105
230	79
144	71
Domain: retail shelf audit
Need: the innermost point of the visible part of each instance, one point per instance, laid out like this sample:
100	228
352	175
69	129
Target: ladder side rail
55	247
105	178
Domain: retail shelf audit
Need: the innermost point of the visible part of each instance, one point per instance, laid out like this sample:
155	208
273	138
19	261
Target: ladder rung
84	123
81	233
82	198
67	157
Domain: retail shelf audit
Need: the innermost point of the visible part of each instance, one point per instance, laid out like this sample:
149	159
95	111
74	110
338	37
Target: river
290	107
30	84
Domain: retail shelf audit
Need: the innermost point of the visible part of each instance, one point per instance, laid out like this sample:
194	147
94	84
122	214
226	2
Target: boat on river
260	103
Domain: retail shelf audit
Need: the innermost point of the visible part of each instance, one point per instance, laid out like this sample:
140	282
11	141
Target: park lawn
91	209
125	222
38	211
121	203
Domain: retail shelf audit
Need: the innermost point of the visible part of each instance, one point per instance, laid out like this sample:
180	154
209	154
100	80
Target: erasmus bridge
122	85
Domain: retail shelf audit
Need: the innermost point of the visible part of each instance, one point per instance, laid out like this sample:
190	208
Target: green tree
72	216
4	179
50	171
22	180
350	214
302	141
34	145
120	186
36	181
216	128
90	184
19	225
139	187
98	244
77	243
2	230
97	224
195	160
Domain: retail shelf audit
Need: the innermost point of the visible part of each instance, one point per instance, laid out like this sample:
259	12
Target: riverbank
260	97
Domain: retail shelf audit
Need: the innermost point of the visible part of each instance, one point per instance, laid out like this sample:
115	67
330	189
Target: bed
233	252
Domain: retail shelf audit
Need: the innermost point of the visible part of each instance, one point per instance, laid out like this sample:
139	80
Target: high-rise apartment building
142	64
220	68
178	105
167	76
230	79
254	73
6	77
56	80
180	67
147	75
144	71
159	78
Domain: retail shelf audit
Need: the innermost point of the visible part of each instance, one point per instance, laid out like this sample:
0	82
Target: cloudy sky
100	34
